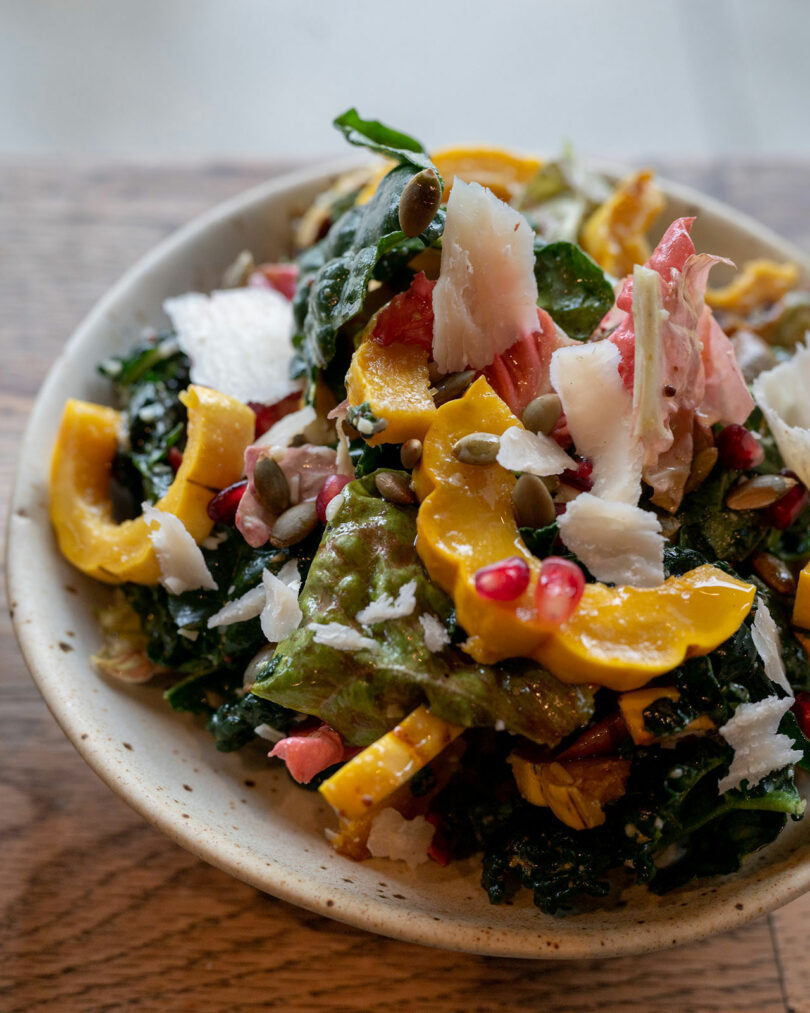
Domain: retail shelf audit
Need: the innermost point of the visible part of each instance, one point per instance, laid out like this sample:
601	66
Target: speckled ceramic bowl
236	811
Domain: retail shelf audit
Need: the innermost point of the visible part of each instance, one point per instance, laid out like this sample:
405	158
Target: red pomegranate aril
503	581
559	588
739	449
579	478
787	510
222	507
268	414
801	708
281	277
175	459
333	485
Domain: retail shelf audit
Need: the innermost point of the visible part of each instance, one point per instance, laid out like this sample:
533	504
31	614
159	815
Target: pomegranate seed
504	580
801	708
268	414
581	478
222	508
559	588
739	448
787	510
330	488
281	277
175	459
438	849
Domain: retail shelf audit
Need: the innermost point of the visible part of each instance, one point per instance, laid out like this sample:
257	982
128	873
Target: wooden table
99	910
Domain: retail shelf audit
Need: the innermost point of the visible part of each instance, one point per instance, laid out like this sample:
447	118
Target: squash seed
759	492
294	525
395	488
272	488
410	454
534	507
419	202
453	386
774	572
477	448
701	468
541	414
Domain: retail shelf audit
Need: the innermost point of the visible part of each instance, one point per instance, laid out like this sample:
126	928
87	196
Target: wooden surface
99	910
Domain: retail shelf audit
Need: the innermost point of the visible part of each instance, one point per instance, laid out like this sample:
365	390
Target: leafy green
571	287
714	530
233	724
540	541
367	551
384	140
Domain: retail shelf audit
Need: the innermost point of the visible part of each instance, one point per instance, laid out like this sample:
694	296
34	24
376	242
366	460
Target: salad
482	514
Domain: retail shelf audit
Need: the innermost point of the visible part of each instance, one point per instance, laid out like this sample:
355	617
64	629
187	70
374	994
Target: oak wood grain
99	910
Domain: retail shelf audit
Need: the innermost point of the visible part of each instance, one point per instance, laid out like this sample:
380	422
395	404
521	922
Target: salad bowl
235	810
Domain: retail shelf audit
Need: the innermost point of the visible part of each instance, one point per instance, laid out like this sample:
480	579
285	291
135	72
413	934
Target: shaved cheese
599	414
341	638
282	433
394	837
535	453
648	382
281	613
782	394
758	746
240	610
619	543
386	607
765	634
436	635
486	296
238	341
181	562
268	733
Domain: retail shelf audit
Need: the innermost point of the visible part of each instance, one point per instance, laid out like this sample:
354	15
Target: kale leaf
571	287
384	140
367	551
233	724
713	529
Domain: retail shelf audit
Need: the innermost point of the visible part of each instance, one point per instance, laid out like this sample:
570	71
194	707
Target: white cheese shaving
181	562
188	634
535	453
238	341
239	610
436	635
599	414
385	607
341	638
281	613
486	296
212	541
269	734
765	634
394	837
618	542
649	366
759	748
281	433
782	394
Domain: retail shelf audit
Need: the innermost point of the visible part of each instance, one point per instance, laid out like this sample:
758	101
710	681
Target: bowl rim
376	915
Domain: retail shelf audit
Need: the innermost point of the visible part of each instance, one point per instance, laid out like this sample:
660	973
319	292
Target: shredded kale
233	724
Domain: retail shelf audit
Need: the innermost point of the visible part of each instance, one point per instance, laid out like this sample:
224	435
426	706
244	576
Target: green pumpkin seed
534	507
395	488
410	454
759	492
541	414
272	488
419	202
477	448
294	525
453	386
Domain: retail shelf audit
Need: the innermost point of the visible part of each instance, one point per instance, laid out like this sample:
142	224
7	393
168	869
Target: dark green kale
364	420
383	140
233	723
540	541
367	459
713	529
571	287
146	383
368	551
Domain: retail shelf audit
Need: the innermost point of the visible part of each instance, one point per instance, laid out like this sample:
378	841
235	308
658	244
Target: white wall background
155	79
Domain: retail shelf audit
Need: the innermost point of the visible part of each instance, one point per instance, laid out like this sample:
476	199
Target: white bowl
235	810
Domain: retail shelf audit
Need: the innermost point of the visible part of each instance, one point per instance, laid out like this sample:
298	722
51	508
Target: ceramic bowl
236	811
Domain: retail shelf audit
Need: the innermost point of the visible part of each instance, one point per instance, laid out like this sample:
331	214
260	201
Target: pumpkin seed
774	572
453	386
534	507
410	454
759	492
701	467
393	487
551	482
419	202
272	488
477	448
294	525
541	414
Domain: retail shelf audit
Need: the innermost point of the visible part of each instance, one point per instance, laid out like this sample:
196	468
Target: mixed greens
339	586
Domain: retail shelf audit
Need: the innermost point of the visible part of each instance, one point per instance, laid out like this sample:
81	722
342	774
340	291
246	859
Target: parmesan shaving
535	453
759	748
239	610
282	433
385	607
782	394
341	638
394	837
765	634
648	372
436	635
281	613
181	562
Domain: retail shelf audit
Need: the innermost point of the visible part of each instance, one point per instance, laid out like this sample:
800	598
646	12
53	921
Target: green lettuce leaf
571	287
368	550
384	140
